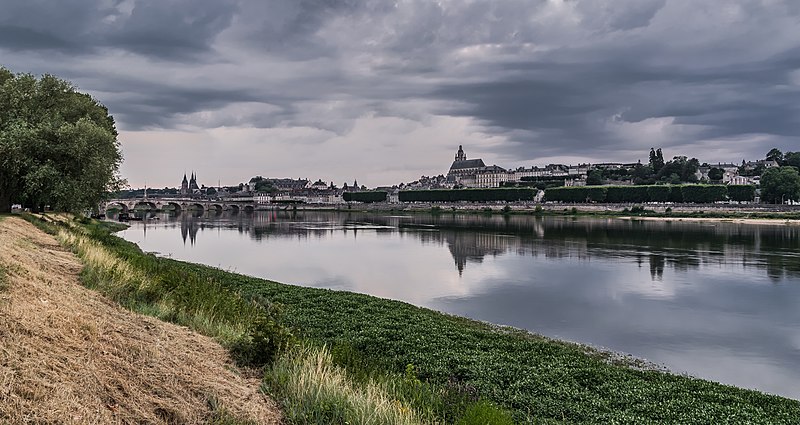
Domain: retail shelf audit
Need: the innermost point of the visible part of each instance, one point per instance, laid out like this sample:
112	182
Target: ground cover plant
432	362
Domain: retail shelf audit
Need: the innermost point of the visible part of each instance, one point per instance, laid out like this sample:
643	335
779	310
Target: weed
484	413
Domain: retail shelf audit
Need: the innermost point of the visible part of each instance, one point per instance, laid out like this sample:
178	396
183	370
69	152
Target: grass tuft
315	391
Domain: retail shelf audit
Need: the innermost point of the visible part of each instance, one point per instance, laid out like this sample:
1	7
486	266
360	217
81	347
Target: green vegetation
58	147
471	195
689	193
429	367
366	197
780	184
141	282
316	391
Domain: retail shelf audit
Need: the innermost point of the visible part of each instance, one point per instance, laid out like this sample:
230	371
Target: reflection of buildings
189	227
656	266
677	246
474	246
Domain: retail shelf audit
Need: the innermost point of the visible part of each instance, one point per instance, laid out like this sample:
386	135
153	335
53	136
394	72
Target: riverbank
452	362
68	355
745	213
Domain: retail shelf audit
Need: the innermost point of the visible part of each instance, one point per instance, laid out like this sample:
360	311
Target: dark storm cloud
552	77
172	30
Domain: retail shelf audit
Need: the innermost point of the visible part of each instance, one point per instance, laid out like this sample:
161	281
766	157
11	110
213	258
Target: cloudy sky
384	91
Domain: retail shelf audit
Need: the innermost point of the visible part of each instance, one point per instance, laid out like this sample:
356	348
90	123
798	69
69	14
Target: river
719	301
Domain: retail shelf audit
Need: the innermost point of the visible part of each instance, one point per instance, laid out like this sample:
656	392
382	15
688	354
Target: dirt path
68	355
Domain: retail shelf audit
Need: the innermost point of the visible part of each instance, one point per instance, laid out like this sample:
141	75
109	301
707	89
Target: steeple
184	185
460	155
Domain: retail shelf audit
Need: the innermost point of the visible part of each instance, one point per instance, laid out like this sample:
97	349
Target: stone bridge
180	204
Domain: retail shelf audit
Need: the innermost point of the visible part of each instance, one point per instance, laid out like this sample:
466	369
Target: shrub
366	197
741	192
473	195
659	193
704	194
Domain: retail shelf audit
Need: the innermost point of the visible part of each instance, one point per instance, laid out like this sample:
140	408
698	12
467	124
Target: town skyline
383	92
200	182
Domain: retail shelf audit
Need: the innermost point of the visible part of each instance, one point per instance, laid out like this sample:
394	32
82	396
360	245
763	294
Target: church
189	187
473	172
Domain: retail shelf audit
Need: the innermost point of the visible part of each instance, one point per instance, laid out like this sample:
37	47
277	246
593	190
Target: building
184	186
463	170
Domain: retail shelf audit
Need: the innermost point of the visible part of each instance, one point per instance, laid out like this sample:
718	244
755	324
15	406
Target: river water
719	301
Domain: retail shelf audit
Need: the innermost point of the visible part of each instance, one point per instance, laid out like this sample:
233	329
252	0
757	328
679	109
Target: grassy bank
417	365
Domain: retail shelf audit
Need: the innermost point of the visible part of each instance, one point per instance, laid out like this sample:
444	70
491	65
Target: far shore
768	221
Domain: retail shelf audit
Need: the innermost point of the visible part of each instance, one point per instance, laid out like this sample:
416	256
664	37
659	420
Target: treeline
366	197
471	195
690	193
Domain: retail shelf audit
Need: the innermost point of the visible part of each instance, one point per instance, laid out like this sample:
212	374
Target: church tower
184	186
193	184
460	155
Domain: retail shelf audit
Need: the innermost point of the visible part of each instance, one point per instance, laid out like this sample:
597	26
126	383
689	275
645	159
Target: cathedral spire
460	155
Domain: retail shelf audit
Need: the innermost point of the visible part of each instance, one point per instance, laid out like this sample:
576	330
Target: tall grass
143	283
315	391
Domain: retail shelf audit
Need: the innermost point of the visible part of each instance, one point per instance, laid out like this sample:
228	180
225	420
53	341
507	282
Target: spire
184	178
460	155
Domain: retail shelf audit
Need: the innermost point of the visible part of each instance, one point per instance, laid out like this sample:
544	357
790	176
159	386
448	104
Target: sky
385	91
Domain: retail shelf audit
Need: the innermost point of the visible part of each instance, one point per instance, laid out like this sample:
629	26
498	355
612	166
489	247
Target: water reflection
716	300
681	246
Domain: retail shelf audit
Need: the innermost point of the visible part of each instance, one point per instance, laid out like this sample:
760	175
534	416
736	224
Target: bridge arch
117	205
232	208
173	205
148	204
216	207
197	207
249	209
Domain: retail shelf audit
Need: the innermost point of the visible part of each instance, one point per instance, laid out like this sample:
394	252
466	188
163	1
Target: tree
715	174
792	159
776	155
656	160
594	178
779	184
58	146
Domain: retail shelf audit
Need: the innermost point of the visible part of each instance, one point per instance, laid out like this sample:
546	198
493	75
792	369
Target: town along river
719	301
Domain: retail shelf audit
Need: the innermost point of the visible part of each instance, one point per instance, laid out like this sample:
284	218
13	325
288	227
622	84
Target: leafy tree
656	160
792	159
779	184
58	146
595	178
776	155
715	174
680	169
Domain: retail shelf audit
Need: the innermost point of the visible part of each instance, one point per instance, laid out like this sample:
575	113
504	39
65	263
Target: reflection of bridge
180	204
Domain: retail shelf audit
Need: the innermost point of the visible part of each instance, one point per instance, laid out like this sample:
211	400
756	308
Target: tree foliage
692	193
366	197
776	155
58	146
741	192
474	195
779	184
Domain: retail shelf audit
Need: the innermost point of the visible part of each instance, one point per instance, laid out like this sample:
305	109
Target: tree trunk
5	201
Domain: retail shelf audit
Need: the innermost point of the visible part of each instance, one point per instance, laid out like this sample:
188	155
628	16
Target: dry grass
68	355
